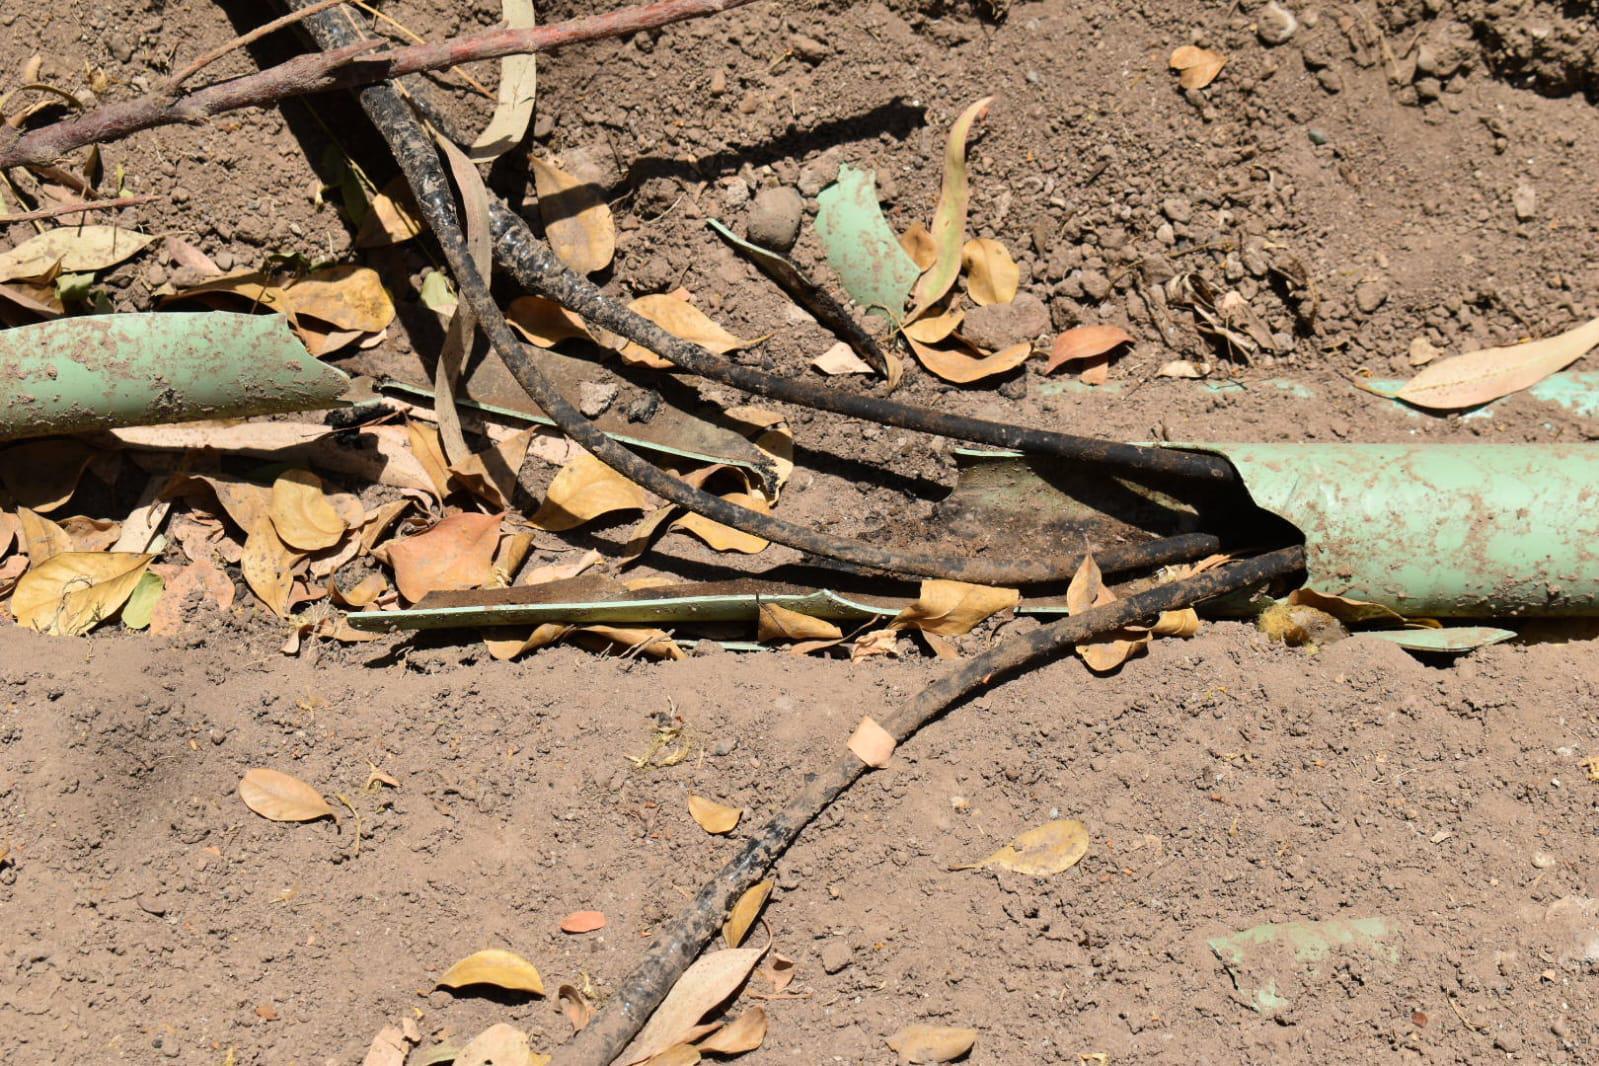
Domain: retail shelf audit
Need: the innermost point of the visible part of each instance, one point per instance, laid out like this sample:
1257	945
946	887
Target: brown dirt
1225	781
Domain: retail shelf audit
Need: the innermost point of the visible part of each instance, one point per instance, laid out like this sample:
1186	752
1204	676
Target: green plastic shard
861	248
1453	640
1273	964
75	375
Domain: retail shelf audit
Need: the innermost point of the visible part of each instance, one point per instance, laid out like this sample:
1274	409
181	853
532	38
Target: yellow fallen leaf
1049	849
933	330
650	643
584	489
953	608
577	219
1087	590
500	1044
497	967
673	313
268	566
949	217
72	592
1198	66
918	244
871	743
302	515
780	623
509	642
391	218
841	359
742	1034
715	818
282	797
429	454
346	297
962	367
575	1005
458	553
1183	623
703	987
992	276
545	322
1346	610
744	913
726	538
41	538
932	1043
1478	377
678	1055
81	249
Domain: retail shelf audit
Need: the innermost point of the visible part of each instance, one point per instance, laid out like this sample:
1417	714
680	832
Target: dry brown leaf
545	322
497	967
499	1045
1087	590
72	592
392	217
540	575
949	217
268	566
780	623
715	818
742	1034
748	908
458	553
583	922
932	1043
673	313
1085	342
841	359
583	490
1199	66
10	528
349	298
508	642
575	1005
953	608
302	514
933	330
650	643
1482	376
963	368
918	244
78	249
877	642
1048	849
281	797
429	452
91	534
871	743
43	474
702	988
40	537
491	474
1182	623
577	219
779	970
992	276
677	1055
726	538
1346	610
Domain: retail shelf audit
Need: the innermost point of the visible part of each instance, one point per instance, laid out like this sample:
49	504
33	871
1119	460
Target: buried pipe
98	372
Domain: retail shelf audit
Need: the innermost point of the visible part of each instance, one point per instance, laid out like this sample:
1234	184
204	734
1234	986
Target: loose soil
1226	781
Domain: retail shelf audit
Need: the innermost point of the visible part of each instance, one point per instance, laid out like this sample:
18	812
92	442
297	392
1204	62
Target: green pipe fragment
75	375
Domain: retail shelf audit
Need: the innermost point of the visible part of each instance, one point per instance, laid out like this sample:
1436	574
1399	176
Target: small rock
181	195
1317	137
1542	860
749	103
1370	295
836	956
1095	284
594	398
809	49
1428	89
705	648
734	192
726	745
1177	209
718	82
122	48
818	174
1423	351
643	409
1525	200
1014	387
1165	234
1509	1042
998	326
1330	80
1275	24
775	218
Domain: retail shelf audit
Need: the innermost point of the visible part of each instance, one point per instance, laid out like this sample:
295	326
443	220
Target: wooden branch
361	63
110	204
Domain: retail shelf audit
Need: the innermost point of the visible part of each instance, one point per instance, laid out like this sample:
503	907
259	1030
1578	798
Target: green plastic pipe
75	375
1439	530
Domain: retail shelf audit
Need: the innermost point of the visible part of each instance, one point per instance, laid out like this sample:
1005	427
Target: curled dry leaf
392	218
518	88
726	538
871	743
780	623
713	817
1049	849
779	970
583	490
650	643
91	534
583	922
508	642
673	313
458	553
301	513
703	987
992	276
1482	376
491	474
677	1055
71	593
1085	342
1348	611
877	642
1087	590
501	1044
932	1043
953	608
1183	623
841	359
962	367
71	250
497	967
949	217
282	797
41	538
742	1034
545	322
1179	368
748	908
933	330
575	1005
577	219
268	566
918	244
1198	66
